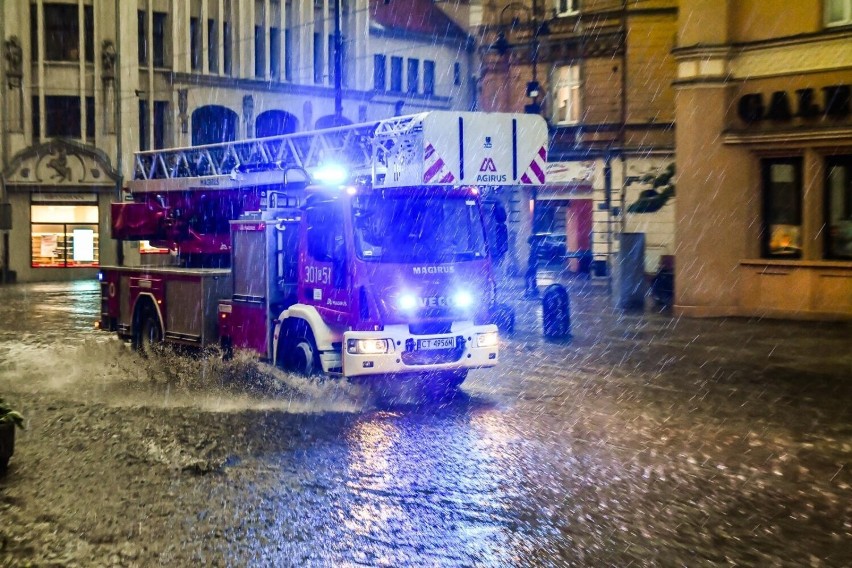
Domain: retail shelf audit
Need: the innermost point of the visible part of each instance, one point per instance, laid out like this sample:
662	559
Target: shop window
64	236
782	208
565	95
838	189
838	12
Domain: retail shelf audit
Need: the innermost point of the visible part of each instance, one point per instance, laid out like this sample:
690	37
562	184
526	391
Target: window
428	77
259	52
159	48
379	72
412	76
62	117
288	56
838	12
275	53
142	38
565	95
838	190
212	46
61	32
90	118
396	74
317	58
565	7
226	48
64	235
457	76
143	125
782	208
194	44
89	33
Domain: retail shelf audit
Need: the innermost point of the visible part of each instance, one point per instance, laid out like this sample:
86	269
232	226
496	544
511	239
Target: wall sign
834	103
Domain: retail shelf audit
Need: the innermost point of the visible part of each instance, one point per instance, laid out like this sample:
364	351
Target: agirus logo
488	165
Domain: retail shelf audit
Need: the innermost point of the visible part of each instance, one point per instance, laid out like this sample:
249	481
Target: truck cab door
325	281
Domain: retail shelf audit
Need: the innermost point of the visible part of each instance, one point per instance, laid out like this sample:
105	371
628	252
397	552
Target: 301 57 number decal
318	275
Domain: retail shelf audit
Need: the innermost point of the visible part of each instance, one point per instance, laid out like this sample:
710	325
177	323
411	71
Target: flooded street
647	440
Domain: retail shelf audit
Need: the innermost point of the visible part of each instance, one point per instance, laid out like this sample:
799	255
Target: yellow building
764	157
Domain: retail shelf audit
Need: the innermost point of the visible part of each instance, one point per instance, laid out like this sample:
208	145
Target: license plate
437	343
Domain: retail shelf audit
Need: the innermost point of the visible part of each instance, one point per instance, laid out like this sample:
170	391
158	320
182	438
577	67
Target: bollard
556	312
504	317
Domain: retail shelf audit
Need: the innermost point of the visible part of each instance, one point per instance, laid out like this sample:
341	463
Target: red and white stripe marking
535	171
436	170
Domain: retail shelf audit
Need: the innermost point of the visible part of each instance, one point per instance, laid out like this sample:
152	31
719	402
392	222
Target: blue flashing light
331	174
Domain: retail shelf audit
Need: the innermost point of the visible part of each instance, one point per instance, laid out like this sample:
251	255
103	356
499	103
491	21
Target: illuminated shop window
782	208
838	191
838	12
64	236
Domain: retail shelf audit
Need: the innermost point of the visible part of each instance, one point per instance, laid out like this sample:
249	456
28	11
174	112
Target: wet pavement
645	440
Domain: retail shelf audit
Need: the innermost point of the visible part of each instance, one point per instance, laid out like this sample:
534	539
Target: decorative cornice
810	136
62	171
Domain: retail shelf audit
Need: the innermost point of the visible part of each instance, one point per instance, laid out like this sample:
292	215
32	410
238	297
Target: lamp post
503	46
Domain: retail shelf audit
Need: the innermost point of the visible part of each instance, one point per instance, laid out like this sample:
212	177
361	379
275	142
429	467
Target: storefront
59	194
764	214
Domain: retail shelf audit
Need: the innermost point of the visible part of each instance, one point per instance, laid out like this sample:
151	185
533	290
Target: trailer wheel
148	333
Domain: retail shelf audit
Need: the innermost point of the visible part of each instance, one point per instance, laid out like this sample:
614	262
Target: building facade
600	72
85	83
764	155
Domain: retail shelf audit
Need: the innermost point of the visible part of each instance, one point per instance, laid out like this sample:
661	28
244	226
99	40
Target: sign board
465	148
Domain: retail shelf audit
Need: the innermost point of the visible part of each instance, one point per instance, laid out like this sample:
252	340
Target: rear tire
149	334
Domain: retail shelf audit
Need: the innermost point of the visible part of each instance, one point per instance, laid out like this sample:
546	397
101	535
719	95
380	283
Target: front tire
298	351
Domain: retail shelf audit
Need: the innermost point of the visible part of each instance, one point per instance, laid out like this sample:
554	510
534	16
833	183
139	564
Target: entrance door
578	229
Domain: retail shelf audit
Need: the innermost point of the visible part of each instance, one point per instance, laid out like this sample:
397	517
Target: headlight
407	301
463	299
369	346
486	339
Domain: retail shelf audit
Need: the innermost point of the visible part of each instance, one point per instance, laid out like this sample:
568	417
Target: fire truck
357	251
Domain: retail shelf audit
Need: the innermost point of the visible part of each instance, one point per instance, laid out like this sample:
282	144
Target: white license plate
437	343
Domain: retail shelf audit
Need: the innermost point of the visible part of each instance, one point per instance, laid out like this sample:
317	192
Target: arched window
331	121
213	124
275	122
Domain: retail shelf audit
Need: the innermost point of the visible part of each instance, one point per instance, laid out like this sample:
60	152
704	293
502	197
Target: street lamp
502	45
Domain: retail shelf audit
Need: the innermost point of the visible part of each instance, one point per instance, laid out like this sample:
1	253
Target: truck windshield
418	229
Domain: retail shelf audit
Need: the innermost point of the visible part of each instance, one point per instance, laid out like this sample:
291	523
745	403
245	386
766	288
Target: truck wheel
148	334
298	351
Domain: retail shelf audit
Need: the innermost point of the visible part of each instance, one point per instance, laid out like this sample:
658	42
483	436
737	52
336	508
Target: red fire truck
356	251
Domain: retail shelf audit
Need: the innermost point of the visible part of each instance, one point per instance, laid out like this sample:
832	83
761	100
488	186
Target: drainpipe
119	151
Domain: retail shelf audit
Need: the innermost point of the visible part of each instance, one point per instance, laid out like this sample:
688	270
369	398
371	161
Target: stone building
764	155
85	83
